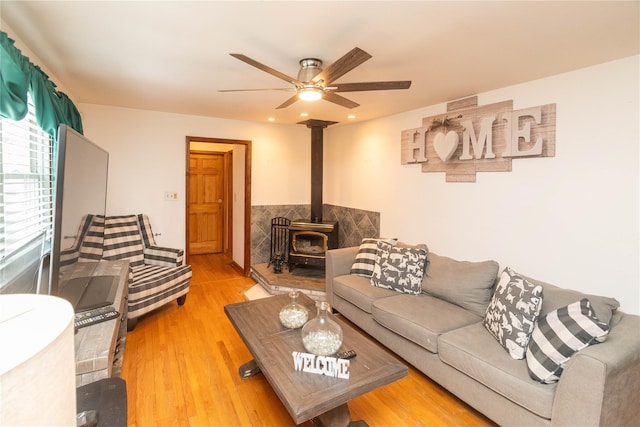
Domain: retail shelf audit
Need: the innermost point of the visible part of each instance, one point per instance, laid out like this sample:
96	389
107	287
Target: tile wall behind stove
354	225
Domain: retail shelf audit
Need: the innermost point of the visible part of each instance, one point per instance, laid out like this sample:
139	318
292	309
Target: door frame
246	269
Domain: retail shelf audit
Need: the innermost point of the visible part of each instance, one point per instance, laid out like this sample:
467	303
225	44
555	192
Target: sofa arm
338	263
601	384
166	257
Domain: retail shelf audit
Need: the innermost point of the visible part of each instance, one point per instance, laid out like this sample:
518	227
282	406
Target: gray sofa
440	332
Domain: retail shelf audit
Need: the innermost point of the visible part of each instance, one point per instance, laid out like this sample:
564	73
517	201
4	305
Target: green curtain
19	76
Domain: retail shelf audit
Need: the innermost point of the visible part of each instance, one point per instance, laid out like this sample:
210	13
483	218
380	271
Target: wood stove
309	242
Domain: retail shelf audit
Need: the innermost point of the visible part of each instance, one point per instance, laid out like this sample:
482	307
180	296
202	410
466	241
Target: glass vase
321	335
293	315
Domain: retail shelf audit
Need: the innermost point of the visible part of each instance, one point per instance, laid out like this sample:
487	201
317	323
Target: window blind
26	194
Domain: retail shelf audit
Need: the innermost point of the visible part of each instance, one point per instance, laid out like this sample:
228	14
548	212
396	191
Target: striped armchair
157	275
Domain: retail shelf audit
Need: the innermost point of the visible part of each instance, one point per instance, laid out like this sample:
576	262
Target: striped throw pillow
558	336
366	257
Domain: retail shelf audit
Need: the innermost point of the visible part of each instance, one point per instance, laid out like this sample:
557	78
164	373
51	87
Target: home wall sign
469	139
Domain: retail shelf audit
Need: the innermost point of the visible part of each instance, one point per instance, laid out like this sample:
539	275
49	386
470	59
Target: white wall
148	157
572	219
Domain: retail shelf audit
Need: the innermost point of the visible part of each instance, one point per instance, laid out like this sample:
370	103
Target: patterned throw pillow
400	268
559	335
366	257
513	312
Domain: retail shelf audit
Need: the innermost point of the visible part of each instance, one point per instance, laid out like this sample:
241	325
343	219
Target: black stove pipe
317	135
316	173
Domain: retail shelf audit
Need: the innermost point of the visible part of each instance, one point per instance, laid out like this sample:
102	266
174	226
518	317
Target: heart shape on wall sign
445	145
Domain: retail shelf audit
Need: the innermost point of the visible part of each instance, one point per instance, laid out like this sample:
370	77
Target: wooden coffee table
305	395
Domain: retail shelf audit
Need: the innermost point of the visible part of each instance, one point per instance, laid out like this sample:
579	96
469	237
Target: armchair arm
338	263
601	384
166	257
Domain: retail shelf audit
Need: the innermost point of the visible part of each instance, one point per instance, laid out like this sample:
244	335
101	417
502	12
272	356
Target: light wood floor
181	368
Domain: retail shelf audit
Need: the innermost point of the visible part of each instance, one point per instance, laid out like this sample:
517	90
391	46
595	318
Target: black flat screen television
80	188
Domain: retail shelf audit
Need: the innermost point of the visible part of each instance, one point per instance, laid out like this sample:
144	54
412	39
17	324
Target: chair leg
182	299
131	324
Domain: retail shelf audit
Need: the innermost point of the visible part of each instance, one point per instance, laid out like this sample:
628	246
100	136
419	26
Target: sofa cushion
152	285
464	283
559	335
513	312
359	292
421	318
122	239
555	297
400	268
366	257
473	351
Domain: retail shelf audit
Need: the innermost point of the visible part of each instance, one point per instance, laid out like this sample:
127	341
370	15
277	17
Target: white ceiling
174	56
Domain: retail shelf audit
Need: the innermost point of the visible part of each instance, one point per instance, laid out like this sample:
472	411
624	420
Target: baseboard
237	268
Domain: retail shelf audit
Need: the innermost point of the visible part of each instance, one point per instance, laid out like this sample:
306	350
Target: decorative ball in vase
293	315
321	335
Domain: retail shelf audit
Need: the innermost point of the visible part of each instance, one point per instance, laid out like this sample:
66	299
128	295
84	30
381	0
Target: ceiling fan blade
265	68
340	100
356	87
254	90
342	66
288	102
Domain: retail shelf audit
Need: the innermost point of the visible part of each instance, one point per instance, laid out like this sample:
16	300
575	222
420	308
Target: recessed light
351	116
272	119
304	114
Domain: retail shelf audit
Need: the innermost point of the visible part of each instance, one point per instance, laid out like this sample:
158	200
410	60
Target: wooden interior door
206	202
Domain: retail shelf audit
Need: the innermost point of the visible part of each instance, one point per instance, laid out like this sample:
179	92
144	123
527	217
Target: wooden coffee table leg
249	369
337	417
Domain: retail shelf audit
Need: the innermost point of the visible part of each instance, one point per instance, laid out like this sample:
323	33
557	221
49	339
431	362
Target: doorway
218	199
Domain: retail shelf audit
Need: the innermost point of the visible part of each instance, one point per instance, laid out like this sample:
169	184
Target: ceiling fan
314	83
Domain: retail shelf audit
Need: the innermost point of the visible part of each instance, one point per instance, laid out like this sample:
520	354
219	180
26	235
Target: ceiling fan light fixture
310	94
314	83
